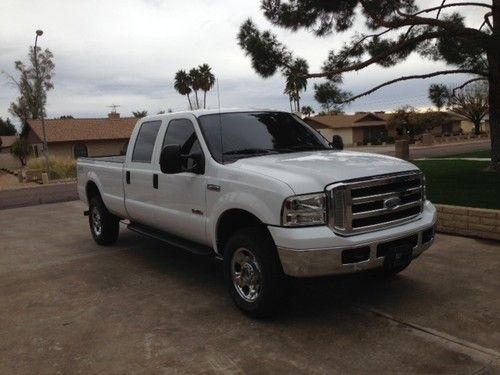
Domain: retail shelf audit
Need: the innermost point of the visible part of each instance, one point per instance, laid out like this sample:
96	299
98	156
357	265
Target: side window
181	132
145	142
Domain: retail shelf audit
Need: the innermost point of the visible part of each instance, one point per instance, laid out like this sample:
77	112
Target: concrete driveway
70	306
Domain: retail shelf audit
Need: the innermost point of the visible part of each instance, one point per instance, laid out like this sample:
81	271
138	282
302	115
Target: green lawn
473	154
461	183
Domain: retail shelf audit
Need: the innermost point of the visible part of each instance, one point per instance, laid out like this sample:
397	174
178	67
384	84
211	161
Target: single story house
358	128
7	160
6	142
82	137
364	127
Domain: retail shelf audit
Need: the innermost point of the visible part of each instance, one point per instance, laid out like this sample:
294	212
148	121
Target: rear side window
145	142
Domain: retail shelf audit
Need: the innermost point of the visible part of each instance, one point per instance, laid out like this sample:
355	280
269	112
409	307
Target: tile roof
84	129
7	140
350	121
362	120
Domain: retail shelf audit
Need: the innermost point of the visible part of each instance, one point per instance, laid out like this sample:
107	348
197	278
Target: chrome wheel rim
246	274
96	221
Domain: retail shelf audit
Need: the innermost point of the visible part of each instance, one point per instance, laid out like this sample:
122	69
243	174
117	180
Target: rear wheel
104	226
253	273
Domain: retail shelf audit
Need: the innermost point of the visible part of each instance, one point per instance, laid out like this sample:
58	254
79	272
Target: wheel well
232	221
92	190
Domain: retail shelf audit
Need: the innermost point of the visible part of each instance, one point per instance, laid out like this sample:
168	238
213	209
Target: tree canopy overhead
396	28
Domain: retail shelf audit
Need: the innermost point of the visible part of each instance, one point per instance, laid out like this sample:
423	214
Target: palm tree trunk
196	97
291	109
204	99
298	101
189	100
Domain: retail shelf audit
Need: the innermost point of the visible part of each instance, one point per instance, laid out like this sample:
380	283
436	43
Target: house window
80	151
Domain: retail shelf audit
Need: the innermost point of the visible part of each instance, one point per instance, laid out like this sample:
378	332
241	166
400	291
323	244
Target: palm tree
307	111
296	80
207	81
183	85
140	114
196	83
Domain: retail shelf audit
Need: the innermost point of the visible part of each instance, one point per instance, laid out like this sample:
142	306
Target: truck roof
202	112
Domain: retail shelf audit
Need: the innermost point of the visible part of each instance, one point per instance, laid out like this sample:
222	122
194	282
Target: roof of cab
202	112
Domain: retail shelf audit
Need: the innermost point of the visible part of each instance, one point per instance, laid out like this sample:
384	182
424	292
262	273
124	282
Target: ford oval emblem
392	203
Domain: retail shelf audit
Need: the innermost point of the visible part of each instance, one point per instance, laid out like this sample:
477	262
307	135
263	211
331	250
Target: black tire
106	231
273	283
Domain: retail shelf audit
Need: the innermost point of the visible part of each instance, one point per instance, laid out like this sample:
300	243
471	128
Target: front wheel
253	273
104	226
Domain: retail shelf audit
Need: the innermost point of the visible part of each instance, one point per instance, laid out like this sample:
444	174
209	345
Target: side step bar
181	243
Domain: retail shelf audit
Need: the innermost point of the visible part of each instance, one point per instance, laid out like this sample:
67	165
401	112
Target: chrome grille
360	206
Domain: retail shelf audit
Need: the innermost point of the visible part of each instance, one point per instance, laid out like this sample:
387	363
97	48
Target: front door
181	205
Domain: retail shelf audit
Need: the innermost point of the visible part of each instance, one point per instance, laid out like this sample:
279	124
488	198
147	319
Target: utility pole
38	93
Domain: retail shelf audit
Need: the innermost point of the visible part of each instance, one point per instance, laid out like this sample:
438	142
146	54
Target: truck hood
307	172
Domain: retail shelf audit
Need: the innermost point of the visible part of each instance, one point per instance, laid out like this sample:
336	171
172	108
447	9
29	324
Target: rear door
138	173
180	198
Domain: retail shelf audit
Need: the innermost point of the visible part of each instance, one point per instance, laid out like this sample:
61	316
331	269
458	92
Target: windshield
247	134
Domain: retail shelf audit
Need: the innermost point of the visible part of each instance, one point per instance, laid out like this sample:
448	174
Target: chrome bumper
328	261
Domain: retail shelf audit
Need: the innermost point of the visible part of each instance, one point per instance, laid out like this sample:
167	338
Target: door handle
155	181
127	177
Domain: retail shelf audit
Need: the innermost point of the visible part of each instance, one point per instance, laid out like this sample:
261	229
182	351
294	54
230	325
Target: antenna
114	106
220	124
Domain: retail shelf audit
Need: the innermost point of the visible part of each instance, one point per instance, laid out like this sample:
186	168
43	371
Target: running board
181	243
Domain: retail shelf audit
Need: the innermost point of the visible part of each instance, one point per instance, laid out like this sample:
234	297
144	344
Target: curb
41	194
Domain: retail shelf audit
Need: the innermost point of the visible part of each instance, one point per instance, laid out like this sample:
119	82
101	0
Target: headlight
302	210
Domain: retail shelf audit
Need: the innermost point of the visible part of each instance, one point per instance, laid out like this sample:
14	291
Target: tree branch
413	19
406	78
443	5
398	47
468	82
440	9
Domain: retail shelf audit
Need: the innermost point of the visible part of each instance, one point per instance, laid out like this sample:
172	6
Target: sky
127	52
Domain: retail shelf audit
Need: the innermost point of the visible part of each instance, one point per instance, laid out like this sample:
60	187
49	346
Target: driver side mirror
171	159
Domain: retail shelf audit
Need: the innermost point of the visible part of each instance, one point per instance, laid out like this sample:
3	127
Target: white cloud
127	52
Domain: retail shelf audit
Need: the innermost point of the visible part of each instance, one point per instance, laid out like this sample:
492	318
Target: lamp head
39	32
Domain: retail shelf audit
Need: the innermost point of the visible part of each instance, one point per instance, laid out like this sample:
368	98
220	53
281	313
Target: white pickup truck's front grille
360	206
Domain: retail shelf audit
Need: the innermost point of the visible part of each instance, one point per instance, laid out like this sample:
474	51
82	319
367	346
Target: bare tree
472	103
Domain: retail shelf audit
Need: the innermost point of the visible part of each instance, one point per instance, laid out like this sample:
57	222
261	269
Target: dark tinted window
257	133
143	149
181	132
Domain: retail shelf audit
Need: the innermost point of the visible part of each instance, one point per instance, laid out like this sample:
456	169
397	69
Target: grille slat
376	203
361	215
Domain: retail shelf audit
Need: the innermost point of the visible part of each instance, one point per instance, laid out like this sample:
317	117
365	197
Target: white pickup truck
263	191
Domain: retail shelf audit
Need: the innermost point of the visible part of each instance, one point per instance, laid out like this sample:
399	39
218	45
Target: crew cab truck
264	192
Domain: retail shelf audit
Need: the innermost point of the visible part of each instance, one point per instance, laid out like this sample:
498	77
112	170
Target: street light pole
38	93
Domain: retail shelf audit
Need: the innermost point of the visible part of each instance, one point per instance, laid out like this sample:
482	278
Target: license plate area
398	252
398	256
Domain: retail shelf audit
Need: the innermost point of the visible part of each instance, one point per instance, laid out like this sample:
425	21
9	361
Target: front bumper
317	251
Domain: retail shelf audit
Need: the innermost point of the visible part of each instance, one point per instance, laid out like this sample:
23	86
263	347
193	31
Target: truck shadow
314	297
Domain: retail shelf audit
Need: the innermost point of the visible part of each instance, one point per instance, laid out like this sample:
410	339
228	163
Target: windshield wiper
250	151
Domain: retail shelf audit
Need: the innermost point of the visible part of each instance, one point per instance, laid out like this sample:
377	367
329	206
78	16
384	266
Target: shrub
60	167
